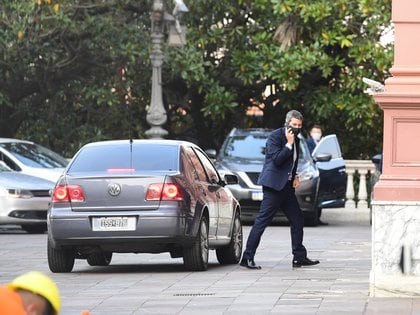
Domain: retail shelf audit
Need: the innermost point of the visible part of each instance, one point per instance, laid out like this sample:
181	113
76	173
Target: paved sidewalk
339	285
156	284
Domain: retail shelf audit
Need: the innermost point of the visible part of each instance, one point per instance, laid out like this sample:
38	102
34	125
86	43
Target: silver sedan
24	200
143	196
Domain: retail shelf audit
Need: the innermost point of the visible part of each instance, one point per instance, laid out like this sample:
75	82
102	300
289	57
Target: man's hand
296	182
290	136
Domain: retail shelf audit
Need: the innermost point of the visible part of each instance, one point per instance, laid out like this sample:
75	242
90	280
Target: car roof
141	141
7	140
247	131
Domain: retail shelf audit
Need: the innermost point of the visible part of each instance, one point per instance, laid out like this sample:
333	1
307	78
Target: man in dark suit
279	180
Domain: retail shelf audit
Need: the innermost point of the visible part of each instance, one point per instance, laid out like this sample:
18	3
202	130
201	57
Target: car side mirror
211	153
231	179
376	159
322	157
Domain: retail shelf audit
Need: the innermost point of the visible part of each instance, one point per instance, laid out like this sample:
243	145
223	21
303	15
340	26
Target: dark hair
292	114
316	126
49	310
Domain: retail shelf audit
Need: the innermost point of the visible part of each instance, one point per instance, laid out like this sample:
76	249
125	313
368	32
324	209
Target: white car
32	159
24	200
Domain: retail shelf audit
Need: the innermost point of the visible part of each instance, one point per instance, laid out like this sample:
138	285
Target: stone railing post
362	195
361	167
350	190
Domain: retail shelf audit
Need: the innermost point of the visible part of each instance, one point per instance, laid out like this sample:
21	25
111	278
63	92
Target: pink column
400	178
396	205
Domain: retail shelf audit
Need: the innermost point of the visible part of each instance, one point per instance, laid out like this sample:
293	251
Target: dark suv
322	174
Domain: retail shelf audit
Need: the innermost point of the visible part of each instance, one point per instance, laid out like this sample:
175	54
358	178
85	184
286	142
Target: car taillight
68	193
165	192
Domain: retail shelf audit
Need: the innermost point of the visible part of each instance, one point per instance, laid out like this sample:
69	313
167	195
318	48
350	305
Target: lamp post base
156	132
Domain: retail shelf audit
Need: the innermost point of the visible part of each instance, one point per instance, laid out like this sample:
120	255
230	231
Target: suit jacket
311	144
278	161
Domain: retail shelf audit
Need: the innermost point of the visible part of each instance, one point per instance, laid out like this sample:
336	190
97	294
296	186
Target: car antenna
130	124
130	127
130	131
130	135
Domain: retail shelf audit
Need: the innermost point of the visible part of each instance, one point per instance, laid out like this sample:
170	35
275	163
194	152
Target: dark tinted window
208	166
4	158
249	146
198	170
120	158
3	167
34	155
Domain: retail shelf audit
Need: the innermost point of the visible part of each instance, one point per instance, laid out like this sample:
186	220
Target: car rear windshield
121	158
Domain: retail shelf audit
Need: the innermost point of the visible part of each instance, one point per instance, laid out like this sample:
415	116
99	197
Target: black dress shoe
249	263
304	262
322	222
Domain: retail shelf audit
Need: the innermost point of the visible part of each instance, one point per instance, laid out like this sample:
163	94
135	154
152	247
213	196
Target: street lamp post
156	115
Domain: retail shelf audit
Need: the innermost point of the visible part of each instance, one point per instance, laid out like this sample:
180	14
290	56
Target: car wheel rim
237	238
204	242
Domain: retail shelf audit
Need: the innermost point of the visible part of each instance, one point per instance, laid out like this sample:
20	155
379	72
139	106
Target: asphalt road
158	284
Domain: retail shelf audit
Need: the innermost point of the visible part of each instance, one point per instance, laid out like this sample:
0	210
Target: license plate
114	224
257	195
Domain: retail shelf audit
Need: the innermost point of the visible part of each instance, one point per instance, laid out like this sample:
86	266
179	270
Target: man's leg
269	206
295	216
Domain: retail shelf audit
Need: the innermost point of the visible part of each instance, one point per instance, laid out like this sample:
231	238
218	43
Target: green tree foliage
73	71
77	71
313	54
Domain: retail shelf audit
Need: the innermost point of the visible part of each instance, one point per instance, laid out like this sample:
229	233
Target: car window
198	167
4	158
4	167
208	166
34	155
328	144
120	157
304	154
251	146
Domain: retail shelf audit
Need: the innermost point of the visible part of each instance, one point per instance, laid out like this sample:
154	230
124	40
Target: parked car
31	158
374	176
143	196
24	200
322	174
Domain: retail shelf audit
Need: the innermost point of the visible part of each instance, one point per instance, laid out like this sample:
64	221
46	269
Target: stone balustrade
360	169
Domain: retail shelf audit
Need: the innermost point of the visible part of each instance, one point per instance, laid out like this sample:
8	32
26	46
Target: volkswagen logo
114	189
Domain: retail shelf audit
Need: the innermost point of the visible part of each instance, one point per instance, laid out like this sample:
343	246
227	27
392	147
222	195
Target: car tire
34	228
313	218
99	259
196	257
231	254
60	260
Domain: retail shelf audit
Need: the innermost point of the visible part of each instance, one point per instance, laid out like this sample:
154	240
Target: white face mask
316	135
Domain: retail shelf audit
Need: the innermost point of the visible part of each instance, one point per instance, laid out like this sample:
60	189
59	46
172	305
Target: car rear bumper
153	232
